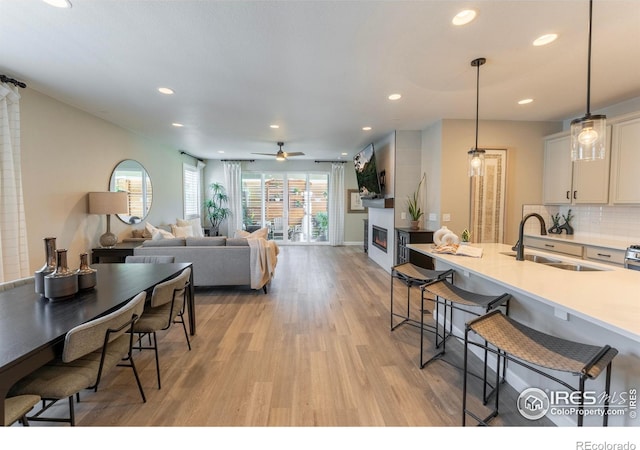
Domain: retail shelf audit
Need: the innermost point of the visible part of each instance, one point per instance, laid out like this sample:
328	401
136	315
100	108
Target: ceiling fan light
280	157
588	138
475	162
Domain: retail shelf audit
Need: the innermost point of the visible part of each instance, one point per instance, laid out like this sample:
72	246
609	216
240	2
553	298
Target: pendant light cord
589	61
477	103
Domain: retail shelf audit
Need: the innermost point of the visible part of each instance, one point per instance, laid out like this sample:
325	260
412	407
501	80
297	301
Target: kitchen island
598	307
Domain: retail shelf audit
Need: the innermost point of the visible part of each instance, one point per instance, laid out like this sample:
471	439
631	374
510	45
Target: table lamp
108	203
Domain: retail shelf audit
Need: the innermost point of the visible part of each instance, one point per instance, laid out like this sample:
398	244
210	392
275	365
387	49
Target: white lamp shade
108	203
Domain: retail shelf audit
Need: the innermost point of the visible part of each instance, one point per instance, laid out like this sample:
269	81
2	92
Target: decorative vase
62	283
415	224
86	275
438	234
49	265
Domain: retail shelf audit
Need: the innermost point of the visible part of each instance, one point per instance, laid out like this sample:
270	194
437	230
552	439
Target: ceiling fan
281	156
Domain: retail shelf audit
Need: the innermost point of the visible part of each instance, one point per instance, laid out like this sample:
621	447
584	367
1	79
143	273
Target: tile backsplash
607	222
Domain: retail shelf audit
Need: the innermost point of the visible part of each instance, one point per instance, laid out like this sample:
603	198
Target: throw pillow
261	233
241	234
153	232
186	231
194	224
137	234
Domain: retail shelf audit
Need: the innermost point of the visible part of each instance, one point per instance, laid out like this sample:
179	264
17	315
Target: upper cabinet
566	182
625	163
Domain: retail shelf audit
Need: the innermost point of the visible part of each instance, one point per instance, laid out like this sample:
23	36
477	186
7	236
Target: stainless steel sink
574	267
535	258
556	263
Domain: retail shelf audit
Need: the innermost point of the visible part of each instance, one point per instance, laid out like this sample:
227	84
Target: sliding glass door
292	205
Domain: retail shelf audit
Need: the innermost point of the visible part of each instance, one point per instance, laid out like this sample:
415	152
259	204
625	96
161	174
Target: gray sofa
217	261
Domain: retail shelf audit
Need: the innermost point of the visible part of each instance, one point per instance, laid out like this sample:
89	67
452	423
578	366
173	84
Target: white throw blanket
263	260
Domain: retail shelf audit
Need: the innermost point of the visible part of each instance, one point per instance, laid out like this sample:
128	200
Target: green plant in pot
216	206
413	205
322	221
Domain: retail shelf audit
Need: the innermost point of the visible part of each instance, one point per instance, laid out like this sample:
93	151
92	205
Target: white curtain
336	204
233	183
14	255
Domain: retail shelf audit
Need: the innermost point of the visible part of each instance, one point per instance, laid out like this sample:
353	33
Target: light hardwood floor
315	351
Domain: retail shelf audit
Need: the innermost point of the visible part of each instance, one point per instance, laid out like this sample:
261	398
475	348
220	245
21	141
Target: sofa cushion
175	242
237	242
213	241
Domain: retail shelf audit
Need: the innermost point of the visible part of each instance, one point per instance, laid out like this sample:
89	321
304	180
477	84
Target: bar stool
535	350
452	297
413	276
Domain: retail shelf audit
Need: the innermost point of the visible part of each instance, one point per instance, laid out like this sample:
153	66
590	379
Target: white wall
67	153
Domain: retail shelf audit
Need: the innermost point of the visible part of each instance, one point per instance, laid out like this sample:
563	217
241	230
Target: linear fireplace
379	237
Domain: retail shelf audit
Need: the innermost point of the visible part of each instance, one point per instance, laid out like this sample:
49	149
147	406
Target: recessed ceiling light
464	17
395	97
220	151
545	39
344	153
58	3
274	126
366	128
525	101
165	90
176	124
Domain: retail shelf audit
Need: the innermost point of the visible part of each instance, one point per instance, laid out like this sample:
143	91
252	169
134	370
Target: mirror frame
136	172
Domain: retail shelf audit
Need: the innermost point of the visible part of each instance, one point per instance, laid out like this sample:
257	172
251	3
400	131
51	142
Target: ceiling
321	70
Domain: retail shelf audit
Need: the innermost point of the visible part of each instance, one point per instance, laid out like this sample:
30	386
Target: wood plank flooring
315	351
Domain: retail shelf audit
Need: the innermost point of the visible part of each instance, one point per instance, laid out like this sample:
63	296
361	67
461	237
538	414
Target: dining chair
90	350
150	259
165	308
16	408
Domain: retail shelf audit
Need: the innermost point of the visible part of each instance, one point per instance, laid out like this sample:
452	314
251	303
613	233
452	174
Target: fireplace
379	237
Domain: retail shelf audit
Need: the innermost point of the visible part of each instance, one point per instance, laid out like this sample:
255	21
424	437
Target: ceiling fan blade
266	154
294	154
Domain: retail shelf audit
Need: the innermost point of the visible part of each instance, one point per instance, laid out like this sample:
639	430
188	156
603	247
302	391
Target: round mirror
131	177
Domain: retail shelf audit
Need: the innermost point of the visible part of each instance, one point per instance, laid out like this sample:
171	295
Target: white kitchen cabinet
566	182
625	163
549	245
604	254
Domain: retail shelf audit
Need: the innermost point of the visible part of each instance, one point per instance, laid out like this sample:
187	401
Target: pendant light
588	133
476	155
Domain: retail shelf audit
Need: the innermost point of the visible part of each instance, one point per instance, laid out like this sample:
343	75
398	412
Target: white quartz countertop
609	298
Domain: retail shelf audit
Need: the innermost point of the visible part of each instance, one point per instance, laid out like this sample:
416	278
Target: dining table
33	328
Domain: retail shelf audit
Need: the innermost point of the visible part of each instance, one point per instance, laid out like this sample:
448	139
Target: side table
115	254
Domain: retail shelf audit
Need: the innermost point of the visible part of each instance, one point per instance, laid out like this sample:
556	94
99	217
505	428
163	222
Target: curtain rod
337	162
6	79
182	152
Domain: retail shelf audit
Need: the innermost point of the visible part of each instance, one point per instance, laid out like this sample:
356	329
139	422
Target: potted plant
413	205
465	236
322	221
215	205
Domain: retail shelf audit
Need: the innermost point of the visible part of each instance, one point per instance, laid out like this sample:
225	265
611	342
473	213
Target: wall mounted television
367	173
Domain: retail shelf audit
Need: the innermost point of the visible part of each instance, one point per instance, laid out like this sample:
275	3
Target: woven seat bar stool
412	276
536	351
449	298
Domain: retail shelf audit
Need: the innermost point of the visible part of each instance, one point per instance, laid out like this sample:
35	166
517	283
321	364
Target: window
292	205
191	191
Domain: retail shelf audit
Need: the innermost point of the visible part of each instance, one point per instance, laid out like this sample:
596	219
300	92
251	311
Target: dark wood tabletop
32	328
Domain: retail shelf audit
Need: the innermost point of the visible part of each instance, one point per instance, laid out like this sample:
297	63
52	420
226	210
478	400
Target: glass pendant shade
475	161
588	138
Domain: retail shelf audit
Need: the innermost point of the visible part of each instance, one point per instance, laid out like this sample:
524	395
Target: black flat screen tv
367	173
